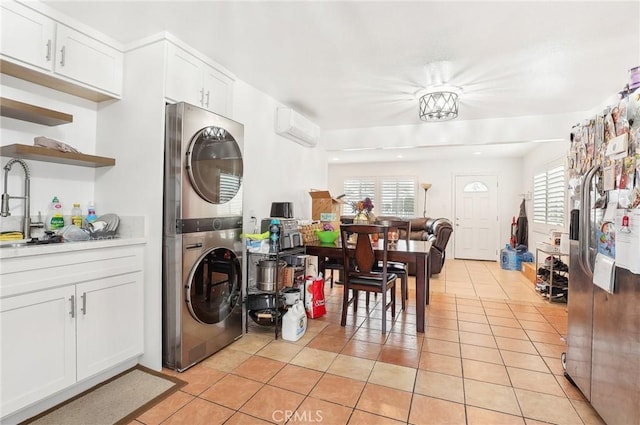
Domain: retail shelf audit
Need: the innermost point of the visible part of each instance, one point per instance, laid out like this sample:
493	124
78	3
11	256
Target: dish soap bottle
91	213
56	219
76	215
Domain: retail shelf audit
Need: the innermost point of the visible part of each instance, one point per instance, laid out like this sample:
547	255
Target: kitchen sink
32	242
14	244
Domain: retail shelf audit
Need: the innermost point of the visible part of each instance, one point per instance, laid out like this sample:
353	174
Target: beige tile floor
490	355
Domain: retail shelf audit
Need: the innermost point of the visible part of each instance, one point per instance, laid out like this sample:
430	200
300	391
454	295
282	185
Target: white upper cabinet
184	76
192	80
217	91
87	60
45	51
27	36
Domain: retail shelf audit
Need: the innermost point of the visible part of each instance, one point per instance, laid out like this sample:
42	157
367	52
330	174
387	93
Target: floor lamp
425	186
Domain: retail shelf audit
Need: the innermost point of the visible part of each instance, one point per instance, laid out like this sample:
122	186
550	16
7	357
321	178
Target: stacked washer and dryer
202	245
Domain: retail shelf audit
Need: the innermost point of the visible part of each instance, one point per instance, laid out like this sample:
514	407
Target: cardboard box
529	271
324	207
289	272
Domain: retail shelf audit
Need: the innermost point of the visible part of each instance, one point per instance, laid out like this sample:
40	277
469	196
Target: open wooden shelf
53	82
37	153
26	112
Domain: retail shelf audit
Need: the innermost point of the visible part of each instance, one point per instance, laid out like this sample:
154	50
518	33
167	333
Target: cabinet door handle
202	97
84	303
62	54
73	306
207	98
48	57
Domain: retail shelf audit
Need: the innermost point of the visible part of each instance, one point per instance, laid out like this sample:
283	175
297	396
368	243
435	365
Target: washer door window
214	164
213	290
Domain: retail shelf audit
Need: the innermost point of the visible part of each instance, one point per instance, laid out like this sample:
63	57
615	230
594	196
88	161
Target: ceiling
351	64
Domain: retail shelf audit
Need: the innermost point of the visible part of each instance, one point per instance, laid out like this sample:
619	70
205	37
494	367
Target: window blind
549	196
229	187
397	198
391	196
356	190
555	196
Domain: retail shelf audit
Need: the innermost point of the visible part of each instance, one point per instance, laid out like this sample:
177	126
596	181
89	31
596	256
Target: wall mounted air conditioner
294	126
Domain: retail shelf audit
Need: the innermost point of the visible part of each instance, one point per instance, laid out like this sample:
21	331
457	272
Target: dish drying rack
105	227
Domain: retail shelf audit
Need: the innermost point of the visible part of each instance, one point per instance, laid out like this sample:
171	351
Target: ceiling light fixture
439	103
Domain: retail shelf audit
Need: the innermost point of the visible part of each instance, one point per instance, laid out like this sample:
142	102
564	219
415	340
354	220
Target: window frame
546	176
378	182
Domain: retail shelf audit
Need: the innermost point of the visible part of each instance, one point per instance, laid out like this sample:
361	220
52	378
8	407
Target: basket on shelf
309	234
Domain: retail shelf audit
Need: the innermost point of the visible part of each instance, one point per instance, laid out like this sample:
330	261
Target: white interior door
476	218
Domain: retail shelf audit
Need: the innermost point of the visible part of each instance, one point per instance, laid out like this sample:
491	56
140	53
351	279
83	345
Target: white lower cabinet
38	346
53	338
106	311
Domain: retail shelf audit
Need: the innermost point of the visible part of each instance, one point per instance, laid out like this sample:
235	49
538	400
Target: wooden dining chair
327	267
403	229
359	261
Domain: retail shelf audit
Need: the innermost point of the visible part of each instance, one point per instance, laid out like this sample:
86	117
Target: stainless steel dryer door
203	168
212	291
214	165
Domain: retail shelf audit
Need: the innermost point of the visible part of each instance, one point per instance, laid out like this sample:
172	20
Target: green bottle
56	219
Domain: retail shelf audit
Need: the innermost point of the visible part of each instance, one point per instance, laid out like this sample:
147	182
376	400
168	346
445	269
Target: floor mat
116	401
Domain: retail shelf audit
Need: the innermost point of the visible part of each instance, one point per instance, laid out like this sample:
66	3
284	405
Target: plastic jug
294	322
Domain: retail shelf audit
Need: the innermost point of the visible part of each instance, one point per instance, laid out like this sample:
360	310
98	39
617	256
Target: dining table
411	252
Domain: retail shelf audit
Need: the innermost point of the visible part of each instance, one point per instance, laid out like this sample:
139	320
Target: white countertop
54	248
131	231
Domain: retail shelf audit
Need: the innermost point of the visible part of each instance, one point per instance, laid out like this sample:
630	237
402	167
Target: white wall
276	169
132	131
534	162
441	174
70	183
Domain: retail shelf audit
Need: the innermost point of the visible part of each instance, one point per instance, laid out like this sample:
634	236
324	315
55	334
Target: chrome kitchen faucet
26	220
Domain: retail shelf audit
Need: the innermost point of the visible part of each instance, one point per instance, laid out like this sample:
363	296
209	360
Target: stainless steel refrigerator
603	336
